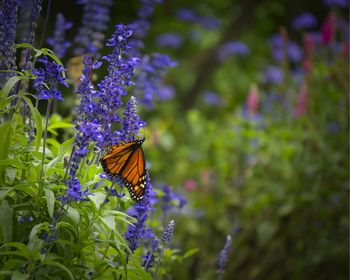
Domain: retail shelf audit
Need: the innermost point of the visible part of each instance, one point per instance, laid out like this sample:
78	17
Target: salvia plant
60	214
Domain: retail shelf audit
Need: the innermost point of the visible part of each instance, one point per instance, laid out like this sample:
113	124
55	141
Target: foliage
246	141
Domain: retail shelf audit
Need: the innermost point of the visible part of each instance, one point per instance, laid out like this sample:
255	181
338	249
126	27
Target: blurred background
249	128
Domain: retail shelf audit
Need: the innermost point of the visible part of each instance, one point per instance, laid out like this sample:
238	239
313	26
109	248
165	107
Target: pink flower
253	99
328	28
301	106
190	185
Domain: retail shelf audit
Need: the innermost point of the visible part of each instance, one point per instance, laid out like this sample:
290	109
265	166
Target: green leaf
6	221
13	162
38	123
5	141
6	90
191	252
50	200
60	125
59	265
23	249
73	214
19	276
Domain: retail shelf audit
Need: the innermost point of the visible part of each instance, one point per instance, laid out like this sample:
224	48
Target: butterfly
126	161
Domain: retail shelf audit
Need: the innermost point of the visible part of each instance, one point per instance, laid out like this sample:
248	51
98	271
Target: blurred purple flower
171	40
90	37
337	3
304	21
58	42
186	15
8	20
222	258
212	98
165	93
48	79
279	48
273	75
140	212
333	127
147	7
232	48
208	22
148	80
149	258
295	52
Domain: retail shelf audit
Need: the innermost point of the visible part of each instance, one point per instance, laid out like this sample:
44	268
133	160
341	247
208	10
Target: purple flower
8	20
95	20
148	81
75	192
273	75
140	212
186	15
48	79
29	32
222	258
212	98
147	8
168	233
337	3
58	42
232	48
279	48
165	93
131	121
304	21
114	85
172	40
208	22
148	259
295	53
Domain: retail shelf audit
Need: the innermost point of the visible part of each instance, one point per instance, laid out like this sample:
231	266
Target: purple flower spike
58	42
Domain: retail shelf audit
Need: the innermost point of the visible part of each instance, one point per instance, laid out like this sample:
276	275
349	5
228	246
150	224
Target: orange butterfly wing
126	161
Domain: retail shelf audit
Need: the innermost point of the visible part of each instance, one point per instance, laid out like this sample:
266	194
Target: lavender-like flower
131	123
149	258
75	192
232	48
29	32
212	98
186	15
114	85
223	257
95	20
273	75
279	48
140	212
168	233
48	79
304	21
148	80
8	20
171	40
58	41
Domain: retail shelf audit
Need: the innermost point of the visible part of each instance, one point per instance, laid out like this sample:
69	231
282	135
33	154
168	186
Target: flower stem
45	136
159	260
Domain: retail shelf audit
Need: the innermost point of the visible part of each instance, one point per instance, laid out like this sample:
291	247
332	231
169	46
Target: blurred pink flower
190	185
253	99
328	28
301	106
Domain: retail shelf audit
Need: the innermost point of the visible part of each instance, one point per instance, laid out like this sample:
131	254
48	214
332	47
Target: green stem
159	260
69	162
45	136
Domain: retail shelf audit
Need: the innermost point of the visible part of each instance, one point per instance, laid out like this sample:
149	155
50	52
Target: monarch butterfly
126	161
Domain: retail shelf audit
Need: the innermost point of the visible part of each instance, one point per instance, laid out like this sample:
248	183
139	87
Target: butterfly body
126	162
